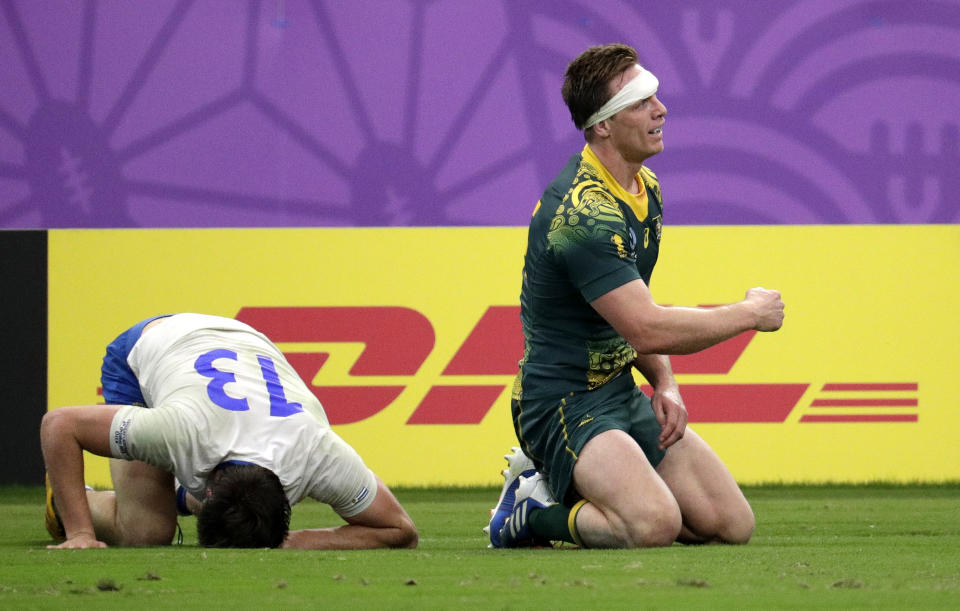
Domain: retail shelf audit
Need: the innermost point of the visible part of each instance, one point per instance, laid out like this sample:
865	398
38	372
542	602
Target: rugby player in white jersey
211	402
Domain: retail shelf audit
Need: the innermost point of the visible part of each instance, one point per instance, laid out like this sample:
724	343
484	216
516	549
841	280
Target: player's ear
602	129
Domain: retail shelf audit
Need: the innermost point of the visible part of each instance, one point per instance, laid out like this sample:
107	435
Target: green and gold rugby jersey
587	237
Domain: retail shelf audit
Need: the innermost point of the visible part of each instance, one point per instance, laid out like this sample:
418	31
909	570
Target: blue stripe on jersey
120	385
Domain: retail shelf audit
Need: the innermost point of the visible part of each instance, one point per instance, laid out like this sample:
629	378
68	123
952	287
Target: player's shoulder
580	190
590	197
577	205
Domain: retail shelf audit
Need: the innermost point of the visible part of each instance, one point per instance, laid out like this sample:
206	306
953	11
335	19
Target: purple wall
219	113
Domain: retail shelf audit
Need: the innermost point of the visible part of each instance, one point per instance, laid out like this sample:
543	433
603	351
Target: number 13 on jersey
279	406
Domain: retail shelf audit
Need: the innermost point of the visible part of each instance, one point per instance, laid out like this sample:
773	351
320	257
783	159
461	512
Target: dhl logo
397	340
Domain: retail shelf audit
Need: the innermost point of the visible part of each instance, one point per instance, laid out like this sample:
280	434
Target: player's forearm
682	330
654	329
656	369
350	536
63	457
187	504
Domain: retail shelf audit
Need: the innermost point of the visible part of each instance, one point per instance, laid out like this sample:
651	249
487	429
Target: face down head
245	507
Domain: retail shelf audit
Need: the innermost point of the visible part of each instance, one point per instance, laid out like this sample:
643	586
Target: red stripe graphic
456	404
864	389
864	403
343	404
905	386
739	402
494	347
860	418
397	340
716	359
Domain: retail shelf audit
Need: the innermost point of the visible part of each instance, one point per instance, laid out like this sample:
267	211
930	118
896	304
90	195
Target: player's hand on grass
79	541
671	413
767	306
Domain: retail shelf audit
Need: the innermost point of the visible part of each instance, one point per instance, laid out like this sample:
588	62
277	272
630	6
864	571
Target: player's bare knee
148	532
739	528
149	538
732	527
657	527
661	531
409	536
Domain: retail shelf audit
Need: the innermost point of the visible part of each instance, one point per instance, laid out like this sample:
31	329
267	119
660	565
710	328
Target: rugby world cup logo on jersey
632	242
397	340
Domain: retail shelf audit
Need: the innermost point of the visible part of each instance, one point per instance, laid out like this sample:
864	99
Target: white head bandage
639	88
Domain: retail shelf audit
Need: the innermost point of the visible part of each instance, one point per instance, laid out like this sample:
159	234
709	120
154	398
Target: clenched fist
767	306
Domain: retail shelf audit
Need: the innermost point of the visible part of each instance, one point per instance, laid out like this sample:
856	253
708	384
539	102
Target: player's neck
623	171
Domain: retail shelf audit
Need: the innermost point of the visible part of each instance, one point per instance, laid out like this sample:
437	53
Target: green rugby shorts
554	431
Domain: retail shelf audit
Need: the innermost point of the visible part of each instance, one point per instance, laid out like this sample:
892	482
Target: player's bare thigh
711	503
146	512
628	504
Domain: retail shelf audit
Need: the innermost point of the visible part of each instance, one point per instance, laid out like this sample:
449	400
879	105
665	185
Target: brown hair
586	83
247	508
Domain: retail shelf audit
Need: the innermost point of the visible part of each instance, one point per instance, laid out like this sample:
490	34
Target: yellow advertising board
410	337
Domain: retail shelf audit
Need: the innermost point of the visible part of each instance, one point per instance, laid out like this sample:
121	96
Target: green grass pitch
863	546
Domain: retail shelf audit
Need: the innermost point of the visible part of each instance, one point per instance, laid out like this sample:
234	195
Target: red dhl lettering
397	341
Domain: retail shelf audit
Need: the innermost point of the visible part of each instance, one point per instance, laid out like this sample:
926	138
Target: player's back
220	390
